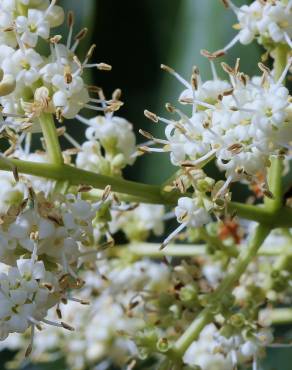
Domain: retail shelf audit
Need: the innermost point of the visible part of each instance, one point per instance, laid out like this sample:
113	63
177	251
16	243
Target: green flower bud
237	320
188	294
163	345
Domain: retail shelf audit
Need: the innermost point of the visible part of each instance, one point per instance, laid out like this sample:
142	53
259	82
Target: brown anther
106	193
264	68
179	184
239	170
84	188
104	67
61	131
146	134
152	116
59	312
226	68
225	3
214	55
90	51
9	29
235	148
70	19
68	75
194	81
77	61
134	304
117	94
267	193
206	124
167	69
243	78
15	173
187	164
170	108
186	101
55	39
67	326
81	34
237	65
228	92
28	351
49	286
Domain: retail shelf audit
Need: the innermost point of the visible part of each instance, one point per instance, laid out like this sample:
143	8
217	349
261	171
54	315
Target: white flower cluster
41	242
113	134
214	351
113	291
270	21
241	123
30	83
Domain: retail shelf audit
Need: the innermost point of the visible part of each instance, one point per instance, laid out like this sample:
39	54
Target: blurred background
135	37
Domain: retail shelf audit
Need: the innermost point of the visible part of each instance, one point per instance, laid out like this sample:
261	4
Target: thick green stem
193	331
275	177
277	316
137	191
51	139
191	250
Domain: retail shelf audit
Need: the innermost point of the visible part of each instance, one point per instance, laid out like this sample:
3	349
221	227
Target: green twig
193	331
51	139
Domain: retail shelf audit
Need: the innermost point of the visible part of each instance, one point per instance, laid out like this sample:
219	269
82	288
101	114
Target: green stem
247	211
51	138
190	250
174	250
275	177
278	316
193	331
137	191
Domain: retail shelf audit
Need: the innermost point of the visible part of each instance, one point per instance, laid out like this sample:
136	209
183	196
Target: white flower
189	212
32	27
115	135
202	352
24	65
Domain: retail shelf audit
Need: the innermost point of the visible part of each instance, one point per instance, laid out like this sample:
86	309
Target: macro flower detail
106	272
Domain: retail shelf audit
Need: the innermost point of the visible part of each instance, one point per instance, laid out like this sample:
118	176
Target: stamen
80	36
72	141
172	235
213	69
176	75
70	23
50	7
81	301
231	43
92	107
100	66
83	120
200	160
224	188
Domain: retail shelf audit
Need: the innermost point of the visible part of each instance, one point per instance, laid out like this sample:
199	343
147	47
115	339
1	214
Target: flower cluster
62	213
267	20
33	84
